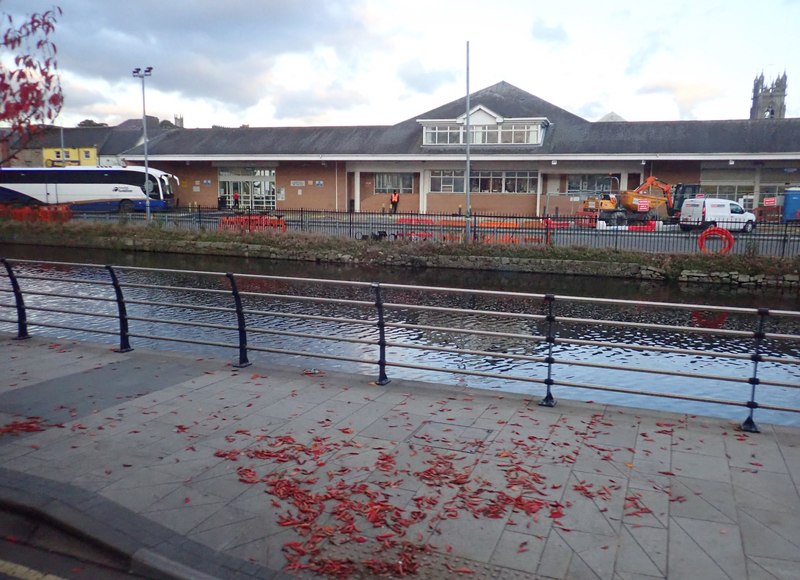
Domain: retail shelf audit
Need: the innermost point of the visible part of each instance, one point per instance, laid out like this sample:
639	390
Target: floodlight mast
142	74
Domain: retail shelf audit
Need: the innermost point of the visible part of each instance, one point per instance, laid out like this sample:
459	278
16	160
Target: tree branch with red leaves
30	86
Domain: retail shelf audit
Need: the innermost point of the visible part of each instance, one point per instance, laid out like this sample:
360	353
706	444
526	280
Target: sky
269	63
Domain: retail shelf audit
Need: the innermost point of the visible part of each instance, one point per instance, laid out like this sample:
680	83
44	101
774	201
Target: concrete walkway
192	468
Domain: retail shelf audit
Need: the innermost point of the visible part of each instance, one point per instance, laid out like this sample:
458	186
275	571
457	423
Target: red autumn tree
31	87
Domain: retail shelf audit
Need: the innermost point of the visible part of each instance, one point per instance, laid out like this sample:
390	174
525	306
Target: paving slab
191	467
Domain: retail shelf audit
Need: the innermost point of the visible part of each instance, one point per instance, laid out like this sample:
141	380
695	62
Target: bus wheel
125	206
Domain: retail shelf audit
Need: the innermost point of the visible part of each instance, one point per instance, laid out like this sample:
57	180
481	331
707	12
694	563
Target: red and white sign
644	205
770	201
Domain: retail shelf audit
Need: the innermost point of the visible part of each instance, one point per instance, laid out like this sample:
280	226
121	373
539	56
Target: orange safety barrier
586	219
252	223
37	213
551	224
722	233
452	223
415	221
498	224
648	227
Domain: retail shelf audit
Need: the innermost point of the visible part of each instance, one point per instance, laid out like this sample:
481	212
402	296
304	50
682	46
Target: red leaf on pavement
186	500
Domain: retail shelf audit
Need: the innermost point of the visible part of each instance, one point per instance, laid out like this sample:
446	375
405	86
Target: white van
704	212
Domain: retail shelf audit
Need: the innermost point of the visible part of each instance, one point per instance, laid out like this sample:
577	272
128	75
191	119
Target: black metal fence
741	357
664	236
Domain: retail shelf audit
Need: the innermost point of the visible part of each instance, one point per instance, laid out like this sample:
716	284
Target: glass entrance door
247	189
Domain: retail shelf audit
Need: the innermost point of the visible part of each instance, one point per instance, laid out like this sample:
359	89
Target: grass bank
299	246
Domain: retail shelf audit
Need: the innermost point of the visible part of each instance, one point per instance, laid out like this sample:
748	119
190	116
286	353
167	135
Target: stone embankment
383	256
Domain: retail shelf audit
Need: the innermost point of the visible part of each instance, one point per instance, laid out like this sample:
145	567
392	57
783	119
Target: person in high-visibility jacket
395	199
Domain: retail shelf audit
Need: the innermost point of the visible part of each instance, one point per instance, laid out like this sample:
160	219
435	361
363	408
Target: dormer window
486	128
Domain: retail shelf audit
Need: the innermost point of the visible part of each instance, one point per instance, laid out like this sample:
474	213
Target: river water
506	281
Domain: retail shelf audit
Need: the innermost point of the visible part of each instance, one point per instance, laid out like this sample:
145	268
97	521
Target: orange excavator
634	207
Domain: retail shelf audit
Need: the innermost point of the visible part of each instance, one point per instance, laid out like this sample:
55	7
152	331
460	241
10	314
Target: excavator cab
682	192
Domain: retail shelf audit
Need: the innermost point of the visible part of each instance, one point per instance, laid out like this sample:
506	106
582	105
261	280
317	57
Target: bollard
243	362
548	400
22	317
382	378
124	339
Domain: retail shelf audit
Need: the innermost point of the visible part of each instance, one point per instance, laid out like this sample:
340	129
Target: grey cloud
686	95
308	104
416	78
555	34
199	49
646	49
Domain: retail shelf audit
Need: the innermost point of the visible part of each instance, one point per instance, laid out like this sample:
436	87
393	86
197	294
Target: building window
511	134
66	154
442	135
484	134
87	154
520	134
521	182
446	181
589	184
58	154
486	181
389	182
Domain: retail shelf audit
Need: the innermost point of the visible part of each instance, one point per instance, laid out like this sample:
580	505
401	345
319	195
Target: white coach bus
87	188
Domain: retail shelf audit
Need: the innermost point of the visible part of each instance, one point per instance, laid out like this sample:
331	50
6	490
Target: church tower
769	102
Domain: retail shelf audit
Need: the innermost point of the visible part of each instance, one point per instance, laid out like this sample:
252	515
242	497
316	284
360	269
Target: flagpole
468	228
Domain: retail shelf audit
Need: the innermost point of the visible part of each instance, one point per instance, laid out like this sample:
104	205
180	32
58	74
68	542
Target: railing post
382	378
124	339
243	362
548	400
785	238
749	425
22	317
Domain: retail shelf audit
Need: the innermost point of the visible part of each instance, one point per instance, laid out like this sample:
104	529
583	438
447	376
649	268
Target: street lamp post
141	74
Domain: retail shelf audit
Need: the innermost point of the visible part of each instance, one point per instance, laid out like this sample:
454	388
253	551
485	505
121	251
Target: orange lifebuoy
722	233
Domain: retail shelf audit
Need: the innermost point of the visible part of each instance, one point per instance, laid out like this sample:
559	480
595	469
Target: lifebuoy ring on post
722	233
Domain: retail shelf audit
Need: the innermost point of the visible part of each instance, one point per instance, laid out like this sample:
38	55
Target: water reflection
154	311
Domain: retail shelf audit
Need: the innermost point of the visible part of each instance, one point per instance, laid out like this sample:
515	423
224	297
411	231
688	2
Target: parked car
705	212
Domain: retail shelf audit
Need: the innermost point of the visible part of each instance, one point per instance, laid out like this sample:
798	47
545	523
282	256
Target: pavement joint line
54	511
578	430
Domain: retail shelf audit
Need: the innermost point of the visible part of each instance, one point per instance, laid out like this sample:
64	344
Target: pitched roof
50	138
507	100
107	140
567	134
678	137
404	138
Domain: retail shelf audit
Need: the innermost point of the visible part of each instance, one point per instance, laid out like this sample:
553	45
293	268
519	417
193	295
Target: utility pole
141	74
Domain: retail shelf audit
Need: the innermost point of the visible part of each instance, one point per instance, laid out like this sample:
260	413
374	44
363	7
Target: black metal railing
773	238
534	339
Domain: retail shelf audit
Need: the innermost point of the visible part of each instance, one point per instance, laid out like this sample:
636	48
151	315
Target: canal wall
382	255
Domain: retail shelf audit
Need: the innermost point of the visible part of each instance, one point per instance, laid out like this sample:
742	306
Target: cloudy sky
373	62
